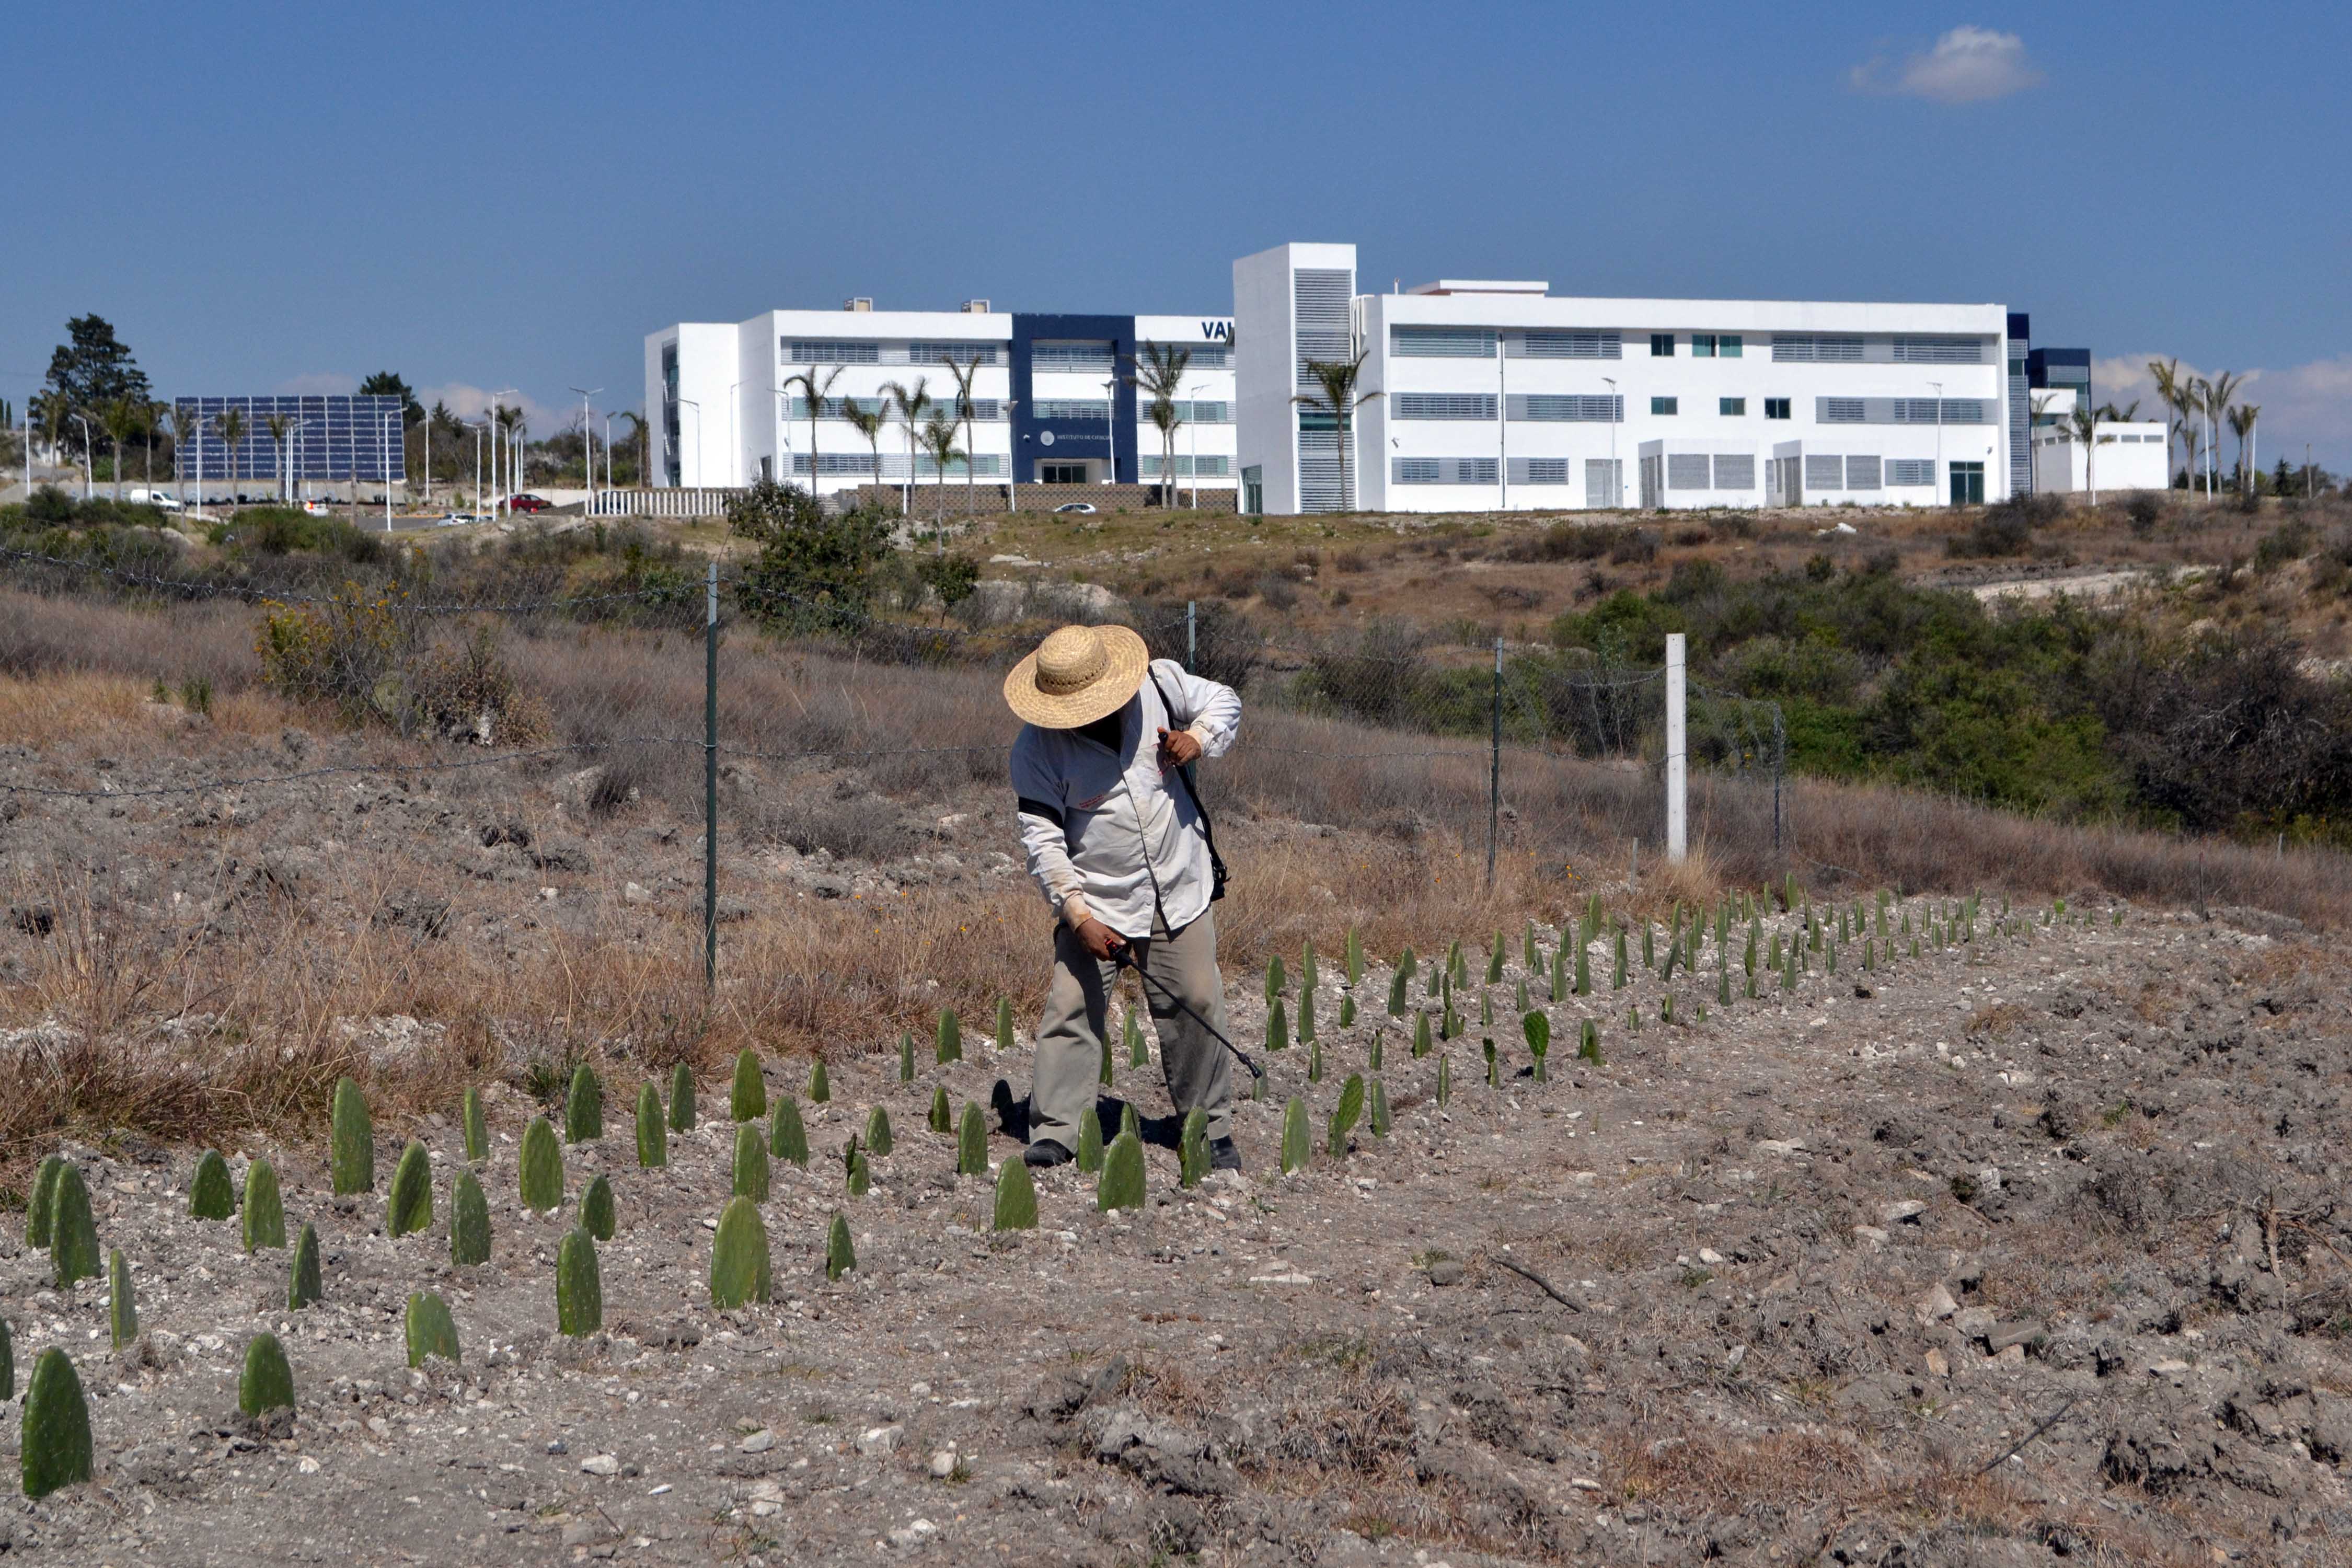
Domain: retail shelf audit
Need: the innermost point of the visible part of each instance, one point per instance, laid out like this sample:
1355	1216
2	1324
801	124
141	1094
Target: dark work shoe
1224	1156
1044	1154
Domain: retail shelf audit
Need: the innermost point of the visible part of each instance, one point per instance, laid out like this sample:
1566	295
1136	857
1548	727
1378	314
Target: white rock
601	1465
880	1439
1870	1236
1936	1306
1710	1256
1902	1209
759	1442
913	1534
630	893
1779	1145
943	1464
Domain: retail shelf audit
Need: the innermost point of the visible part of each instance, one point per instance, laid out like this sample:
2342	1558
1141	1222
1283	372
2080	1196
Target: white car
459	519
161	501
317	507
1085	507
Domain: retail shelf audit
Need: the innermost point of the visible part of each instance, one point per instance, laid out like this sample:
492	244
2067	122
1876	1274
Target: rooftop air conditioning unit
858	303
975	307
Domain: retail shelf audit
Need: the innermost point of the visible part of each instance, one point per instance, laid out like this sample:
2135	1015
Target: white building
1497	395
1053	398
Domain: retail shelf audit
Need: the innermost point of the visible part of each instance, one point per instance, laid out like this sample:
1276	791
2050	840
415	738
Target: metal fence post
1677	754
1495	766
1192	641
710	780
1780	767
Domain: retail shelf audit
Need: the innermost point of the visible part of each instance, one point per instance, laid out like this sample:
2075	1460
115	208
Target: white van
164	500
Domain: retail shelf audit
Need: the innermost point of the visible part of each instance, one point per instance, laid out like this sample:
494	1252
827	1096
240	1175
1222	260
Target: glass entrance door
1967	484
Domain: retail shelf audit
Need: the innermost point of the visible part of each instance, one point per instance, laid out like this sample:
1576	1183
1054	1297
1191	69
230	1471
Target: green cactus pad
861	1174
1349	1110
475	1126
1348	1012
7	1363
1444	1081
210	1193
948	1044
351	1147
73	1232
1120	1187
1003	1024
751	1168
303	1285
653	1129
787	1136
57	1443
1278	1027
1374	1052
1355	958
840	1257
820	1084
579	1286
1016	1197
1137	1054
43	1199
411	1204
1378	1119
1193	1149
1315	1062
122	1301
905	1056
746	1098
429	1327
1306	1017
1420	1040
583	1107
1090	1141
739	1257
878	1132
542	1167
598	1214
943	1117
971	1142
681	1098
1587	1046
1294	1145
265	1211
469	1220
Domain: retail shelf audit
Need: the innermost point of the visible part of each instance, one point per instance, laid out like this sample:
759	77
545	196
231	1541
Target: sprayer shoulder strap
1200	808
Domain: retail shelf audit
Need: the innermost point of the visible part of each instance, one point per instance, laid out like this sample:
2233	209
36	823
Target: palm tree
118	417
2082	425
229	425
2171	391
279	426
157	411
910	404
868	423
2214	396
188	436
966	409
1159	371
939	445
1335	381
2241	425
817	390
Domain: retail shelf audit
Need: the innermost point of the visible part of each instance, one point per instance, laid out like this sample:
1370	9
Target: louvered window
1735	471
1082	356
1687	471
1573	345
1964	411
1568	408
1442	404
832	351
1205	356
1070	410
962	354
1443	471
1539	470
1813	350
1841	411
1319	298
1441	342
1939	350
1416	470
1908	471
1824	473
1862	473
1915	411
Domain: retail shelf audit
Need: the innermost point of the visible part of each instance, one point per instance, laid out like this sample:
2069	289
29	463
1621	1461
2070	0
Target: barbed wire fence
1387	722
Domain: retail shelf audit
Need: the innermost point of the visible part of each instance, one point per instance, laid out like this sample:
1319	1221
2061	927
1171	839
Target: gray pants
1078	1021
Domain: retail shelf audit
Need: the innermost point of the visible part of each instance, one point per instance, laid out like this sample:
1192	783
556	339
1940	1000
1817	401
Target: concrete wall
2131	457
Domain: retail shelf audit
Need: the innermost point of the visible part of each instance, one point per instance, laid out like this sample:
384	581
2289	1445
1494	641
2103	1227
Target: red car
527	503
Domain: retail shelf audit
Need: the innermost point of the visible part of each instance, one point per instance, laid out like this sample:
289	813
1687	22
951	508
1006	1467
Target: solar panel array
328	437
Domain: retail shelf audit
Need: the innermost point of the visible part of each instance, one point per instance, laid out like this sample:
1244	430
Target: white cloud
470	402
2309	402
1967	64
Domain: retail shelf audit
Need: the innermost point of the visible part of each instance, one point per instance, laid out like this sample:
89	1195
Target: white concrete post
1678	756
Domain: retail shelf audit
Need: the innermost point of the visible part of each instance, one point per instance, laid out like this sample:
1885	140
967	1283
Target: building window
1205	356
1442	404
1728	345
1061	473
1732	408
1824	473
1665	405
1571	345
1253	490
1687	471
1862	473
1443	471
1776	408
1539	470
1078	356
1550	407
1702	345
828	351
1662	345
1443	343
1735	471
1841	411
960	353
1939	350
1823	350
1907	472
1967	483
1070	410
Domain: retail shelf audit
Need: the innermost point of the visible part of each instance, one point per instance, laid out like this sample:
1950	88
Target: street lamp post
588	440
496	428
1616	417
1941	479
1503	416
87	462
383	461
609	486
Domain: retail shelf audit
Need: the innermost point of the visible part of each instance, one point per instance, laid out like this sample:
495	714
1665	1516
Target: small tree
816	389
939	445
868	423
2082	425
188	436
966	410
2242	426
1159	371
811	569
1335	383
279	426
229	425
118	417
910	404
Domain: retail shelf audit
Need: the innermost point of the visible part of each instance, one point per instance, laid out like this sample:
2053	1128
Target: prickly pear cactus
541	1164
787	1135
653	1130
579	1286
598	1214
1016	1197
411	1204
210	1193
1121	1183
351	1147
751	1168
265	1213
681	1099
430	1330
469	1221
583	1107
739	1257
746	1098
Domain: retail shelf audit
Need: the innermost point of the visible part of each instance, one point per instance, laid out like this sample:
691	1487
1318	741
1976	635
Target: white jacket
1124	830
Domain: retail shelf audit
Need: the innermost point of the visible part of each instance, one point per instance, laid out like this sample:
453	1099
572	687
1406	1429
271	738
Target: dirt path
1784	1284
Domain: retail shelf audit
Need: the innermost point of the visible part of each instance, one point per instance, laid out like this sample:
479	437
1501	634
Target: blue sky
282	198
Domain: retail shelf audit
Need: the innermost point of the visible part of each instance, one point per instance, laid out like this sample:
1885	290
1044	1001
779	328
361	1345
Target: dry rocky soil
2030	1248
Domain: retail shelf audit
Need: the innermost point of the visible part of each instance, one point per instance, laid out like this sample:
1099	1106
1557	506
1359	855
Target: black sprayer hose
1123	958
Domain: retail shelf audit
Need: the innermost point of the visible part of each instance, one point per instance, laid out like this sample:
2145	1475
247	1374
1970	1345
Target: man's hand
1177	748
1099	939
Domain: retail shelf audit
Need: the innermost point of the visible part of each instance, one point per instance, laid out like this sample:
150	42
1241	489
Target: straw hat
1077	675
